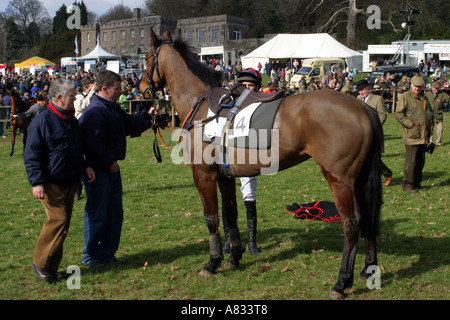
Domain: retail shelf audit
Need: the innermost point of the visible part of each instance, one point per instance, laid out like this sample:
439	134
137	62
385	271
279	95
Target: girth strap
224	140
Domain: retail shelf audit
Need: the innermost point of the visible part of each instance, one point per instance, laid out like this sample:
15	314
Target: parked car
129	72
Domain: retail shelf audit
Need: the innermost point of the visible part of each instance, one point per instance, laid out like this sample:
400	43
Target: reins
188	122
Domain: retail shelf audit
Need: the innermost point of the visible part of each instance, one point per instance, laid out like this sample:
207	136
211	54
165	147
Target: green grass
166	240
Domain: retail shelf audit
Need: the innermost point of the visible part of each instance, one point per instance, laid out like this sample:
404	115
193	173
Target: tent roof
37	61
98	53
315	45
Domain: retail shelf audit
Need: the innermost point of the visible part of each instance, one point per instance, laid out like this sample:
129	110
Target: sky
99	7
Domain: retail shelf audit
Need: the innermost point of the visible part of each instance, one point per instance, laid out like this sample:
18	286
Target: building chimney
136	13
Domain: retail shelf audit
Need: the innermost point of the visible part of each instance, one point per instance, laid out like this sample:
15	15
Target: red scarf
55	110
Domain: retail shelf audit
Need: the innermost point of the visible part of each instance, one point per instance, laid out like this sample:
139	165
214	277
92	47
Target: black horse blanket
319	210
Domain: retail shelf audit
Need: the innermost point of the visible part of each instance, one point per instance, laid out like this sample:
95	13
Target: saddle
221	99
228	105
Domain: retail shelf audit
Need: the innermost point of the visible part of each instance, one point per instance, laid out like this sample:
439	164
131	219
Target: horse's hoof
363	277
334	295
205	272
230	264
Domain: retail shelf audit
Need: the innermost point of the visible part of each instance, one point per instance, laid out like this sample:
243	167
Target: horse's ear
167	35
155	41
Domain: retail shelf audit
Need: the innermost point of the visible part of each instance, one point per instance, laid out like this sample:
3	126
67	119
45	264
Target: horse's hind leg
207	188
345	202
371	259
227	188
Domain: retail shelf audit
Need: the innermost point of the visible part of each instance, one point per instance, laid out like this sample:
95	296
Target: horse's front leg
13	140
227	188
25	135
207	188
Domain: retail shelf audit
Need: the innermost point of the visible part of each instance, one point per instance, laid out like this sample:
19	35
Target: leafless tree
26	11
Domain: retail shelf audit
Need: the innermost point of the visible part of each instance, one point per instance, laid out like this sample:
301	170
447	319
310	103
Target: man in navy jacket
54	162
104	127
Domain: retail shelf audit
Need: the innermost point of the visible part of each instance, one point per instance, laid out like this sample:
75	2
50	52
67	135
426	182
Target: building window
114	35
105	37
142	33
189	36
214	35
237	35
132	33
201	36
123	34
89	37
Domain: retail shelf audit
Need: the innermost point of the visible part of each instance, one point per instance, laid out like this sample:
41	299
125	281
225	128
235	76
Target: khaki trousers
58	204
439	128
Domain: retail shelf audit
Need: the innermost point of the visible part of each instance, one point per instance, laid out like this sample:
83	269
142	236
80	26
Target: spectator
416	116
104	127
54	162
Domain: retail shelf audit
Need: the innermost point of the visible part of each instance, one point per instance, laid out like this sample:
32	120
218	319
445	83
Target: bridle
149	78
151	87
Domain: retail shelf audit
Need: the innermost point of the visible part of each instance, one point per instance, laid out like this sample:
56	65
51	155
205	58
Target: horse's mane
209	76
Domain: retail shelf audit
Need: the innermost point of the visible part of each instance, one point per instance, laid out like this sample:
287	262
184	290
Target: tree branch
321	28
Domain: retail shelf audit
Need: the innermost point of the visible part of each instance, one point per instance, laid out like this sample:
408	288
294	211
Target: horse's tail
369	181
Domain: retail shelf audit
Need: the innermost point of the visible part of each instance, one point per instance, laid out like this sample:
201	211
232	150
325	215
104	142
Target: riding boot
226	245
251	224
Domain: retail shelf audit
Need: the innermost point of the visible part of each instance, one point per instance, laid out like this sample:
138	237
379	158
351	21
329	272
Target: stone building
220	36
127	38
213	36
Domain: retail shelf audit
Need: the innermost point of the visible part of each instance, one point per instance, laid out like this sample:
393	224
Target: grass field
165	237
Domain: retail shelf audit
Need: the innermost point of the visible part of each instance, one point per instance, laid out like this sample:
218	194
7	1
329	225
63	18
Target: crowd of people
35	88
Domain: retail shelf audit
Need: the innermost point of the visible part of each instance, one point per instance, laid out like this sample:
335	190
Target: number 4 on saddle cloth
256	113
320	210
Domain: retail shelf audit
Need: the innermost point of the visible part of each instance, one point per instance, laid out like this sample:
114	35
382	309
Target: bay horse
18	106
340	133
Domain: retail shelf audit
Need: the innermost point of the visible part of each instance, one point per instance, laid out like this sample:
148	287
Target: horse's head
17	104
152	79
14	93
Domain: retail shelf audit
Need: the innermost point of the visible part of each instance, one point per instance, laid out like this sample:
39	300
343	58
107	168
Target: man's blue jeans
103	217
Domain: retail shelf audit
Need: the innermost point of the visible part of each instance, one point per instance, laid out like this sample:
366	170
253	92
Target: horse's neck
186	89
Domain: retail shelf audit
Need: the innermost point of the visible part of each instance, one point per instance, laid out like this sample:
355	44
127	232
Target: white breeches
248	188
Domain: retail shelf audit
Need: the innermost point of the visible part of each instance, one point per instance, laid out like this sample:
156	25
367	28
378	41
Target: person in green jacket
437	98
124	104
416	116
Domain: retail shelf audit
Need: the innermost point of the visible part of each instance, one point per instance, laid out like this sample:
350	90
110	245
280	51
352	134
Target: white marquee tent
99	53
301	46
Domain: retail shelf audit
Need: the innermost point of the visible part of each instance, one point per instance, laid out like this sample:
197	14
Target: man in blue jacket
104	127
54	162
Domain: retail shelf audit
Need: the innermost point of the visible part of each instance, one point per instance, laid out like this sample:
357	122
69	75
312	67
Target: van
316	69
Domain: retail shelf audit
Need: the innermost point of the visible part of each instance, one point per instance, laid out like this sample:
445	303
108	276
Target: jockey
251	79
